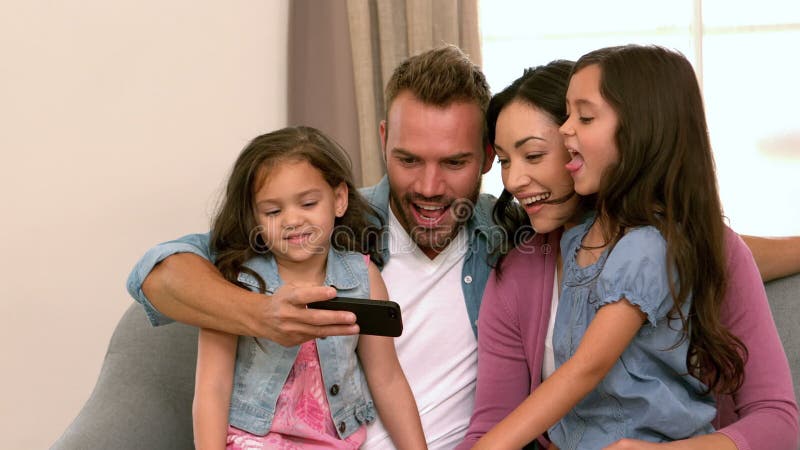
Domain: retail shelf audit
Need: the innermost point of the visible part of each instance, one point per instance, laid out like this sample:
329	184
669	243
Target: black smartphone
378	317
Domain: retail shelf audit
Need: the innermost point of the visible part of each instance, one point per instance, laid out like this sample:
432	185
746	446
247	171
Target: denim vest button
335	390
342	427
468	279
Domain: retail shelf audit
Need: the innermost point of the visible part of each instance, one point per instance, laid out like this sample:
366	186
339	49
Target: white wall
118	123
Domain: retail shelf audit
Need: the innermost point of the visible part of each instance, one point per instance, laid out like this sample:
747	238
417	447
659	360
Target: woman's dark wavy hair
545	88
234	231
666	178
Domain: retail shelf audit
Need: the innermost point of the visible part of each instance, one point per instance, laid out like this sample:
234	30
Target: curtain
342	53
320	76
382	34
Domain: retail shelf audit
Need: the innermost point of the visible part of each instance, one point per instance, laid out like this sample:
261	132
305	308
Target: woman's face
532	156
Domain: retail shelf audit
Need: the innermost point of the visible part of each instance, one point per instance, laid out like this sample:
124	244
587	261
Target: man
439	239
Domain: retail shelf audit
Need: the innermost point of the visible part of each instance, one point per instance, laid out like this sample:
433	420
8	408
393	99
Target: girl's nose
292	217
566	129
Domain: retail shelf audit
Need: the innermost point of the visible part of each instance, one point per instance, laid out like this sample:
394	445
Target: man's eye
456	163
408	160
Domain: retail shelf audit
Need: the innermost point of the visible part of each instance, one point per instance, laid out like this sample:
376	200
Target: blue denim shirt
647	394
263	365
482	238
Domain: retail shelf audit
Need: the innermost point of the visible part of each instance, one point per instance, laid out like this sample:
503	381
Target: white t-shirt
437	350
549	363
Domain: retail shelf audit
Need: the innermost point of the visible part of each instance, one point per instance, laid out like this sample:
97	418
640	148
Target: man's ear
383	130
340	194
488	157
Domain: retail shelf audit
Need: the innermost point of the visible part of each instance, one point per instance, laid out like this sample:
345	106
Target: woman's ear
340	194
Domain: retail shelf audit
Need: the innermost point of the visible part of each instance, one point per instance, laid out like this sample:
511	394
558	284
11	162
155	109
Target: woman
515	328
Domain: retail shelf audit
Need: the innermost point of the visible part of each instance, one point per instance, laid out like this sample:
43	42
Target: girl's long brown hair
666	178
234	231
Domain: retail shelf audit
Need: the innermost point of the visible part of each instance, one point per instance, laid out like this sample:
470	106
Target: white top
437	350
549	363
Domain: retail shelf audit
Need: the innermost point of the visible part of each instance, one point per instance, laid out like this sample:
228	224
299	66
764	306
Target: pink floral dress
302	415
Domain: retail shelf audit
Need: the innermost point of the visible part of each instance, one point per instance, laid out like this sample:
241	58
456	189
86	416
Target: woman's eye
503	162
586	119
533	157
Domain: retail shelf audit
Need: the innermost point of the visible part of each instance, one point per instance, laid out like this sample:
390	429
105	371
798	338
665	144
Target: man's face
434	159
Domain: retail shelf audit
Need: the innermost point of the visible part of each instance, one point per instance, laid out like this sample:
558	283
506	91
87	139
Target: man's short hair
439	77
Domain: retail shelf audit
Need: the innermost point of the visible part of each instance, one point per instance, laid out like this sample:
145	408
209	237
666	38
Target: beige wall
118	123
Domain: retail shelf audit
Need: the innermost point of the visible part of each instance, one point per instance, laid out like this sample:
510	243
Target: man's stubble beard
434	239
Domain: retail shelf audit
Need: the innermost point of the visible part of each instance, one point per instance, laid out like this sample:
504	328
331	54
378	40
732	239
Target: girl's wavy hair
545	88
666	178
235	236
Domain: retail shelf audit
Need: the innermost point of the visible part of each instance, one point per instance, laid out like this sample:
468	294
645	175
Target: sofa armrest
784	300
143	396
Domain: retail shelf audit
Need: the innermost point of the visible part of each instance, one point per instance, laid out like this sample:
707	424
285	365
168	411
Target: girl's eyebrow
301	194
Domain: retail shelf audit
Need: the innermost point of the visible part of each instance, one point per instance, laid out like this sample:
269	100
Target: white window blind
746	55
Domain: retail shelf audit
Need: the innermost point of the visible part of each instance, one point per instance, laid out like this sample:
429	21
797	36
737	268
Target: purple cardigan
513	323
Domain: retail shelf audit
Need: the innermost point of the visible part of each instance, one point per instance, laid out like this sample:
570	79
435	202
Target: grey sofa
145	388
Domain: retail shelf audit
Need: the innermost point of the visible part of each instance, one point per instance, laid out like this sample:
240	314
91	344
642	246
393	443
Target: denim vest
262	366
483	237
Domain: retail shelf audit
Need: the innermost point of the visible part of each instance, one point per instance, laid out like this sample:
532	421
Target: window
743	52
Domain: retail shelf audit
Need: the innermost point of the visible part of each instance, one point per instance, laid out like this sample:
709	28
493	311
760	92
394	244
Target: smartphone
378	317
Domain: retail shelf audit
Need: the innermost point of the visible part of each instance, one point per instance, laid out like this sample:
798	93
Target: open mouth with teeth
534	203
536	198
429	215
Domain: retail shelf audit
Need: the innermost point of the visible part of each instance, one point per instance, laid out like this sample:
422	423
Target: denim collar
339	271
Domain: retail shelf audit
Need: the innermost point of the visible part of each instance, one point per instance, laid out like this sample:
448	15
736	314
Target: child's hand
633	444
